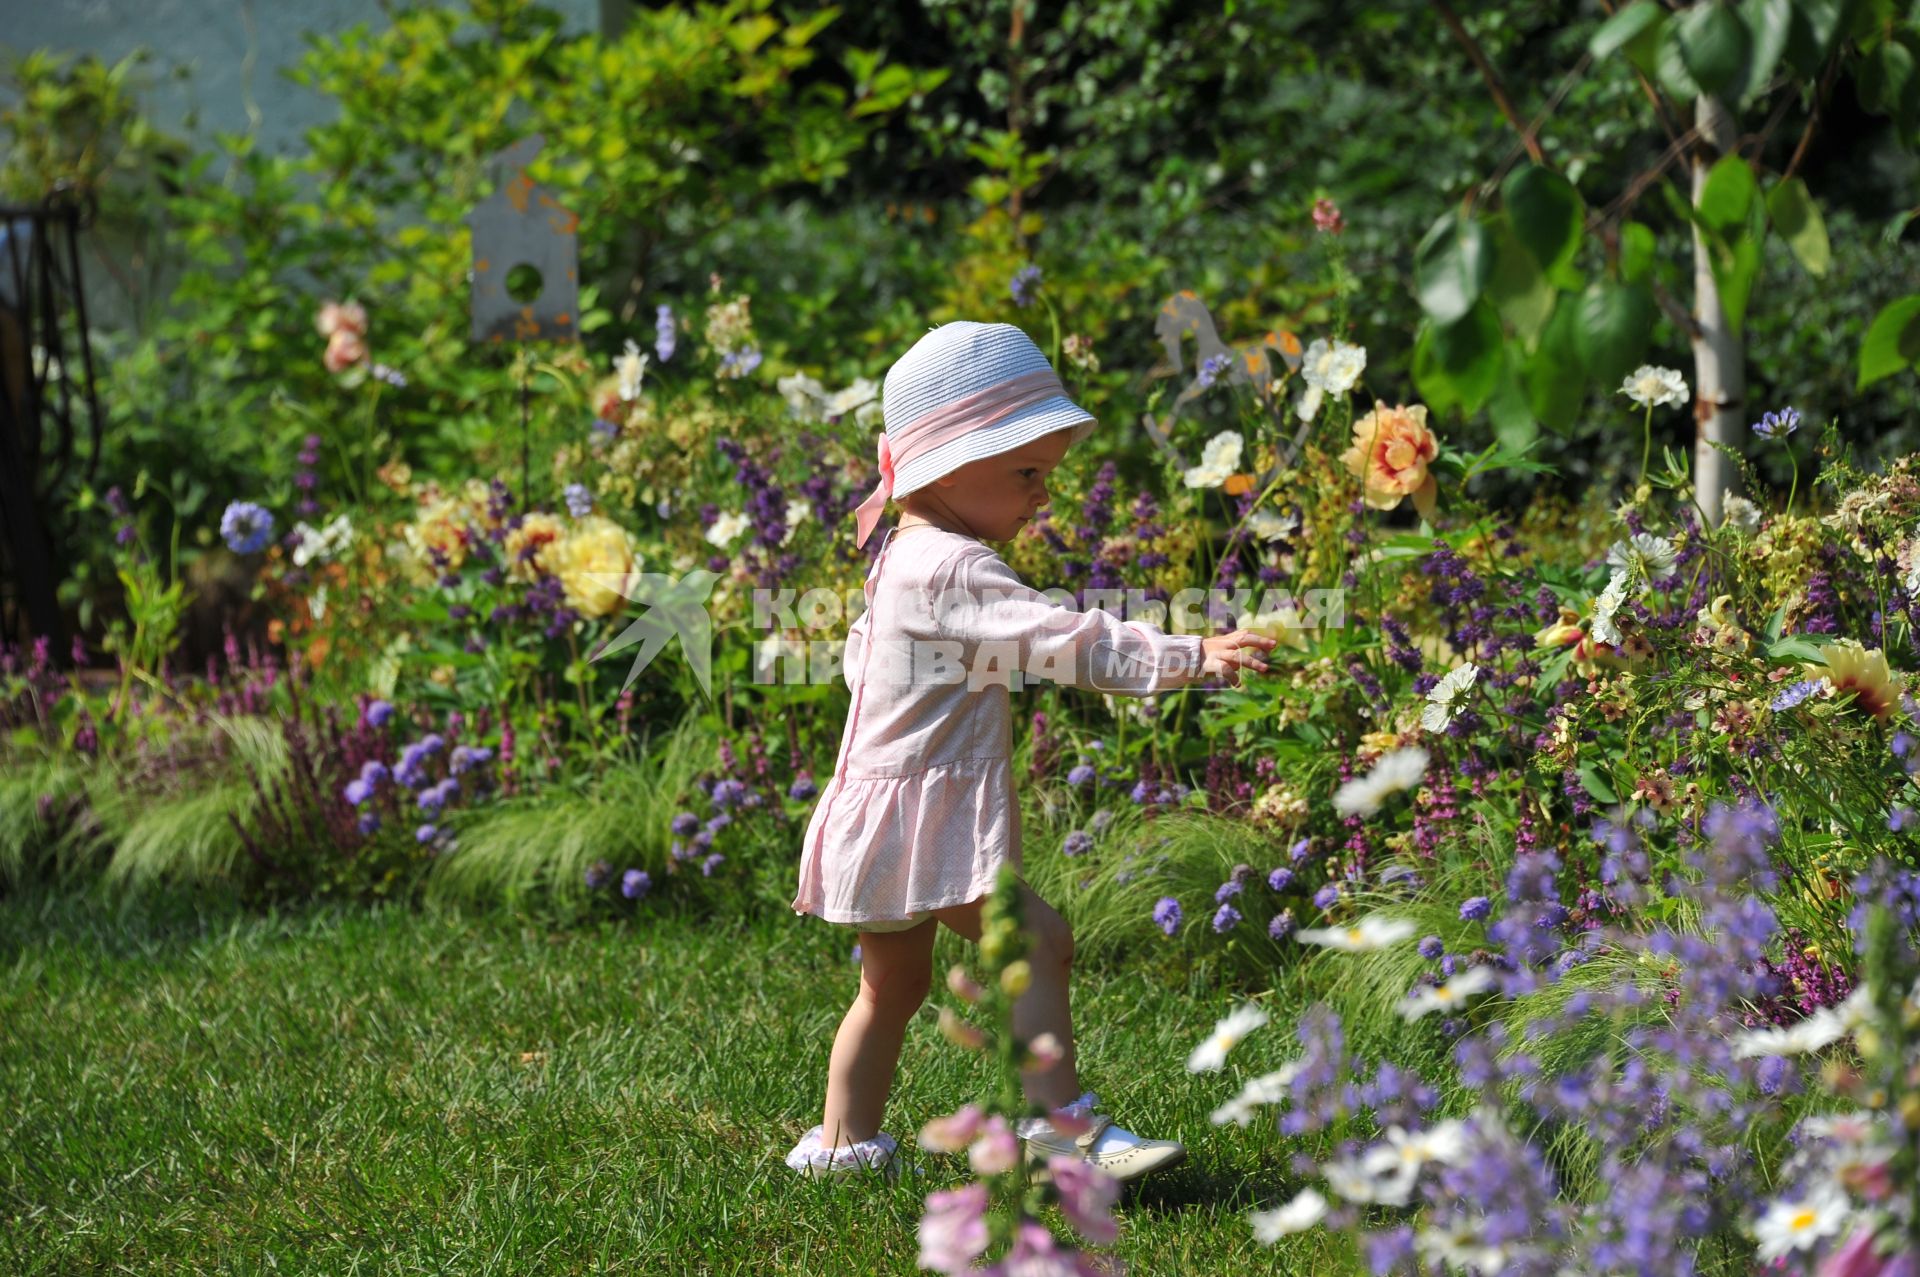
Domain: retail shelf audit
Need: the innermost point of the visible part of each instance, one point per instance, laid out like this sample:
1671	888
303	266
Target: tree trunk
1719	358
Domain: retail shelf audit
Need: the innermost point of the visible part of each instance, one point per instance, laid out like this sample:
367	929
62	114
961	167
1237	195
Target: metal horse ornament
1184	314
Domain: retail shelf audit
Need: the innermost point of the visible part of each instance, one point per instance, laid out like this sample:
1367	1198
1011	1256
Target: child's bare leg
1044	1008
896	970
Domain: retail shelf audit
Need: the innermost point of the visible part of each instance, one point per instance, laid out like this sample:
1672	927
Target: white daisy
727	528
1820	1030
1355	1183
1740	514
1364	936
1310	400
321	543
1396	770
1790	1226
1604	630
1298	1215
631	367
1271	525
1268	1088
1447	697
862	391
1655	554
1211	1055
1334	367
1219	460
805	397
1397	1161
798	512
1459	1244
1649	386
1448	996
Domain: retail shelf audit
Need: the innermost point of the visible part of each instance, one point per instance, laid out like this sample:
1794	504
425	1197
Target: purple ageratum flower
728	792
718	821
598	873
1081	775
432	743
1166	914
1227	889
426	833
1225	918
1431	948
357	792
1281	925
1280	879
369	822
712	863
1024	281
1797	693
635	883
1078	843
802	788
579	500
1141	792
246	527
1212	367
1300	850
1777	425
1475	909
1326	897
663	333
467	757
684	824
745	360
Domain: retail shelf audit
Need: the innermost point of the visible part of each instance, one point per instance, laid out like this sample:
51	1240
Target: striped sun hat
965	391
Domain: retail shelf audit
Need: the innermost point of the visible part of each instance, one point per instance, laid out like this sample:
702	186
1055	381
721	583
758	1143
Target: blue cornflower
1474	909
635	883
1078	843
1166	914
1798	692
1211	368
1231	887
1024	281
1280	879
1777	425
579	500
1431	948
246	527
1081	775
663	335
1226	918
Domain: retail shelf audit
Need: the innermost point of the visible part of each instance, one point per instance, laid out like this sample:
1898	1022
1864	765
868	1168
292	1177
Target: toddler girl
921	811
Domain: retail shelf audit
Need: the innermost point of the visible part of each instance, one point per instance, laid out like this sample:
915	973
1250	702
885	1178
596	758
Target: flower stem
1646	444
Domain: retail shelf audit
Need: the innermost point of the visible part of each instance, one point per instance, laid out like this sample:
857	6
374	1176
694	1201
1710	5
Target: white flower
1396	770
1448	996
1460	1245
869	414
862	391
1271	525
1310	401
805	397
1268	1088
1649	386
1298	1215
1656	554
317	602
727	528
1211	1055
798	512
1604	630
1332	366
1445	698
1356	1183
1364	936
1820	1030
1396	1163
1220	459
1791	1226
321	543
631	367
1740	514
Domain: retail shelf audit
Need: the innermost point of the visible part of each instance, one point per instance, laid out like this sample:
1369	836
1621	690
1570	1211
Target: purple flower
1300	850
1777	425
426	833
1225	918
1474	909
579	500
246	527
745	360
1166	914
1212	367
1431	948
1078	843
358	791
598	873
1280	879
1081	775
369	822
712	863
1326	897
1281	925
953	1232
392	376
663	335
1231	887
1024	281
1797	693
635	883
684	824
802	788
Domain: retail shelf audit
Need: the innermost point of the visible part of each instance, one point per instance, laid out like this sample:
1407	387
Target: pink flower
1859	1259
953	1133
1326	216
1390	453
996	1151
344	349
1046	1051
953	1232
1087	1195
337	316
962	985
1036	1254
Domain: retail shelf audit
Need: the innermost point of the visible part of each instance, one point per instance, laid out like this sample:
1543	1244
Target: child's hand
1229	653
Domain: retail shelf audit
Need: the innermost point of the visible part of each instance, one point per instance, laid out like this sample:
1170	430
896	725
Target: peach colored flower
336	316
1390	452
344	349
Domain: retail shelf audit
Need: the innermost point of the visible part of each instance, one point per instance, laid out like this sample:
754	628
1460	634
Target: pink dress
921	811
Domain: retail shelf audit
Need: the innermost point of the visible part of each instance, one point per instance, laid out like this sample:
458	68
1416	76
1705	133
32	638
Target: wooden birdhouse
526	257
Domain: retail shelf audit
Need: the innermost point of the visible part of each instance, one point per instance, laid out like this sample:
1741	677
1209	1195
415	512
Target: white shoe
1118	1152
813	1160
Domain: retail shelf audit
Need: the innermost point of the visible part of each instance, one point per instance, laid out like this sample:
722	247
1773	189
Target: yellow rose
595	563
1390	452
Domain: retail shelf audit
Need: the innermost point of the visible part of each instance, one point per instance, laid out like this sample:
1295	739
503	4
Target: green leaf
1670	65
1727	195
1636	252
1735	266
1624	27
1793	647
1546	213
1596	784
1715	45
1450	267
1513	421
1797	218
1770	22
1517	287
1893	341
1814	24
1886	80
1612	332
1455	365
1555	379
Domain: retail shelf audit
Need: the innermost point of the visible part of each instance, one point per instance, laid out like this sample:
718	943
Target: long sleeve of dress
1002	623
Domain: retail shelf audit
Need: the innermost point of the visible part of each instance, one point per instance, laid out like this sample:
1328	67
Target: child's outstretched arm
1002	624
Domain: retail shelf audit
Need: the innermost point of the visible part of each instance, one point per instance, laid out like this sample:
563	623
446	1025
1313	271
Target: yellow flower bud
1015	979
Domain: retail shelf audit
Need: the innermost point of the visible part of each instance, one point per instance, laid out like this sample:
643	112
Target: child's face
997	496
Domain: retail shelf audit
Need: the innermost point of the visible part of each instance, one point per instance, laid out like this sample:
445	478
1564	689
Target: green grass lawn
344	1091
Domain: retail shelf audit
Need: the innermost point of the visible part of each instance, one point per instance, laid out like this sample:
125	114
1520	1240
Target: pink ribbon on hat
946	423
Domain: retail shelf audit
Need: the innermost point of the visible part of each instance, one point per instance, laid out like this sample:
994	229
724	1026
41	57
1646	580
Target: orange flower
1390	452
